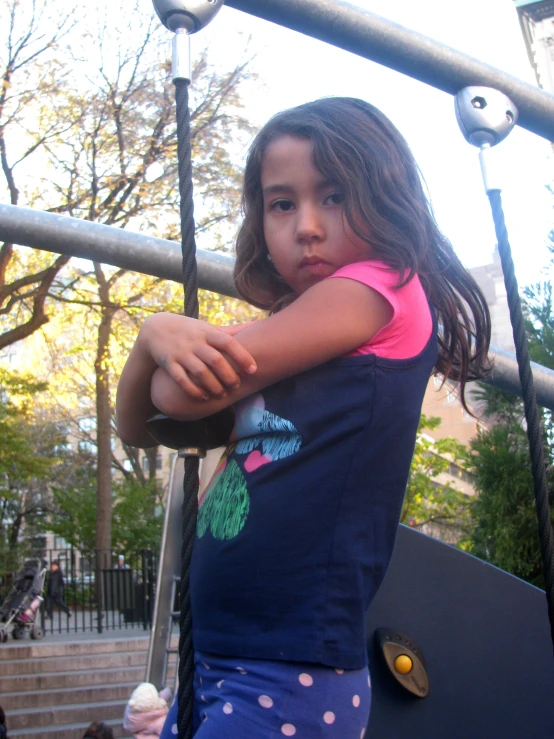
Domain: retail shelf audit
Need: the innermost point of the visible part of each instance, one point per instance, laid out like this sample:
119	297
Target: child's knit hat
146	698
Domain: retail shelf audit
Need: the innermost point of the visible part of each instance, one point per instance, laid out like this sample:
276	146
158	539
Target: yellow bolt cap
403	664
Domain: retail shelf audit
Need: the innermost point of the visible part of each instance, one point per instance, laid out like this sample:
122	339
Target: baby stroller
21	606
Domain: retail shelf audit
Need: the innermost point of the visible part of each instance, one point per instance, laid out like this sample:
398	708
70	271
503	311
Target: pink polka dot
362	734
227	708
339	672
329	717
356	701
369	681
265	701
288	730
241	670
203	699
220	683
206	666
305	680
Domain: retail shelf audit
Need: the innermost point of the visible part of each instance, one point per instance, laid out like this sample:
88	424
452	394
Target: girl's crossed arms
189	369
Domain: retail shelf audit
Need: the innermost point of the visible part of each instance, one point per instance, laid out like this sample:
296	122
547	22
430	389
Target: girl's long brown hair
358	148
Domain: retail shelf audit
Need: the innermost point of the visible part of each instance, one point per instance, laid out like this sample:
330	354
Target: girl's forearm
168	397
134	405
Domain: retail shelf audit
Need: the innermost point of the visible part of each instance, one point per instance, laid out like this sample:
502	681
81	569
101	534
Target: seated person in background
146	711
98	730
3	727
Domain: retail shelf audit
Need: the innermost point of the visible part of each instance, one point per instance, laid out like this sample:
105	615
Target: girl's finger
202	376
234	349
185	383
219	365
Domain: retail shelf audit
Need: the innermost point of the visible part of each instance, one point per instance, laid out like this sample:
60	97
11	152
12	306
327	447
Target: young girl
297	527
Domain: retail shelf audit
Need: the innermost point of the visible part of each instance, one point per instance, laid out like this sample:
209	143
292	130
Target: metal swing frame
354	30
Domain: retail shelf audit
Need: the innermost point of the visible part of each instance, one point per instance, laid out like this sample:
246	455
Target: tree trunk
103	424
15	528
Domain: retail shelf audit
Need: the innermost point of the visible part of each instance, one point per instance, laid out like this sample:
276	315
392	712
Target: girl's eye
335	198
282	206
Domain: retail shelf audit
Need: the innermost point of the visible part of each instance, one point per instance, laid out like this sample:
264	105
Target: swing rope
542	503
185	697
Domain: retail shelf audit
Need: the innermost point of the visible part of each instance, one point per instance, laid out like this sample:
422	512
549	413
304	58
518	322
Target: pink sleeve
410	327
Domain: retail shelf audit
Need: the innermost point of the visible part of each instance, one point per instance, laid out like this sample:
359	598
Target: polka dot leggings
235	698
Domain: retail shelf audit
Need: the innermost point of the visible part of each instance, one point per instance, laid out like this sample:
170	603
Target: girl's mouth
315	266
313	261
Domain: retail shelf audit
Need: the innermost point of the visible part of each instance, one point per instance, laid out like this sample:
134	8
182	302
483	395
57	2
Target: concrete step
76	679
65	715
54	690
69	696
72	731
66	664
40	650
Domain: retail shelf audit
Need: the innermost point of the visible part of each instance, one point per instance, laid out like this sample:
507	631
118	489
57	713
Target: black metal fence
102	590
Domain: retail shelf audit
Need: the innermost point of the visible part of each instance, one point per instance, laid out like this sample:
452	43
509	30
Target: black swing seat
206	433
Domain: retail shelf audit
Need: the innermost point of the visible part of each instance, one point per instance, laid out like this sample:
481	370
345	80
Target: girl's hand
203	360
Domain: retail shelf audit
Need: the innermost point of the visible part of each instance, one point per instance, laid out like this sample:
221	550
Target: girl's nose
309	225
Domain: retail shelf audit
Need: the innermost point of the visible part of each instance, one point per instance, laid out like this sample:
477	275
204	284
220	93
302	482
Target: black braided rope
185	698
542	503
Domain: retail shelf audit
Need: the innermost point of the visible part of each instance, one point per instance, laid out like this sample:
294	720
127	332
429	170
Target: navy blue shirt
297	527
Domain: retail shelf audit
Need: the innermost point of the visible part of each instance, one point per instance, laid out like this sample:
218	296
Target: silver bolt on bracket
184	17
192	15
485	117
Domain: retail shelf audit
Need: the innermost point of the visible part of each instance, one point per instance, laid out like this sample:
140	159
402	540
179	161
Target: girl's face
305	229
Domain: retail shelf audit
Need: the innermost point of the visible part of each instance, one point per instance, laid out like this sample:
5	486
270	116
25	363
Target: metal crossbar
369	36
162	258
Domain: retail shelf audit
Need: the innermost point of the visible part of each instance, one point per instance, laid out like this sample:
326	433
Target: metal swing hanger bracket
192	15
485	117
184	17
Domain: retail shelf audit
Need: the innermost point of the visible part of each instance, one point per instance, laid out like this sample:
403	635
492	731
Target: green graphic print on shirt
225	504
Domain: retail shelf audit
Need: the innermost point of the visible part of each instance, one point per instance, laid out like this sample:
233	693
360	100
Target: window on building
146	463
87	425
64	429
457	471
87	446
66	446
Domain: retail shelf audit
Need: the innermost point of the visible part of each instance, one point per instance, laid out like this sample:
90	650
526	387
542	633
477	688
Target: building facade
537	26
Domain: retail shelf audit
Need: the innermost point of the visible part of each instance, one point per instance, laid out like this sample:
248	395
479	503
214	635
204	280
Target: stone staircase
54	690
